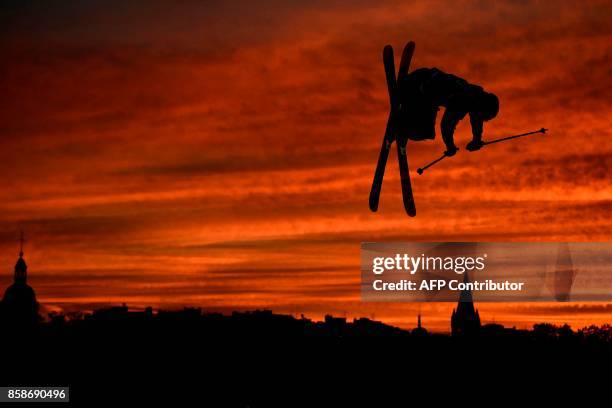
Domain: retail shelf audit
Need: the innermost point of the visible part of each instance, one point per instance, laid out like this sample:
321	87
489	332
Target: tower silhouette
465	320
419	330
19	305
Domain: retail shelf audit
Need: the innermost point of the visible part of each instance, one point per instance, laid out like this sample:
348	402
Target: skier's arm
476	142
448	125
476	123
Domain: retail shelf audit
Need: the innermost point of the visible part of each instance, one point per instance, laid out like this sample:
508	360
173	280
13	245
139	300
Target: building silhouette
19	305
465	320
419	330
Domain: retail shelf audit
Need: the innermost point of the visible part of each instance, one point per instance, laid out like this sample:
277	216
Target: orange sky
220	154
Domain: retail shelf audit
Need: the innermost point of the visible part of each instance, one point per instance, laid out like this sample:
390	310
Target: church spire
419	330
21	240
21	269
465	319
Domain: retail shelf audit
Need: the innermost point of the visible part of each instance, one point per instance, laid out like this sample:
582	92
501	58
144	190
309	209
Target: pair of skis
392	131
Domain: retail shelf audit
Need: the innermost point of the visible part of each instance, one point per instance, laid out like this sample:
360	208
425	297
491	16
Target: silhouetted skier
424	90
415	99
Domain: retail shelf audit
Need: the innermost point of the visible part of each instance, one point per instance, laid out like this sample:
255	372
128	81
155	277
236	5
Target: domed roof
19	295
19	306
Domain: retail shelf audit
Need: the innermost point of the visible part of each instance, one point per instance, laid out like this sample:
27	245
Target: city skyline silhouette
217	357
20	309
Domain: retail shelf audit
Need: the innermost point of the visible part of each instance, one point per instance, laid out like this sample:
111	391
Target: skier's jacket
424	90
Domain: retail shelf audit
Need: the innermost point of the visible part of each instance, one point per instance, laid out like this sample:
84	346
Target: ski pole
501	139
513	137
420	170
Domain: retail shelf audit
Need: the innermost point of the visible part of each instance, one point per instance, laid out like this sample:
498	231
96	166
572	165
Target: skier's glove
450	150
474	145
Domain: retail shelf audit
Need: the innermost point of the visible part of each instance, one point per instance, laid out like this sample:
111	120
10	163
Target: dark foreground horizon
254	358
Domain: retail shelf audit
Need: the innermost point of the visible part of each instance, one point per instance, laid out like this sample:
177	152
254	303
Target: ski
391	132
407	196
405	61
380	167
402	141
389	136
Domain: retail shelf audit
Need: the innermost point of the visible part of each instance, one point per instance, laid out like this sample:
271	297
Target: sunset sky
220	154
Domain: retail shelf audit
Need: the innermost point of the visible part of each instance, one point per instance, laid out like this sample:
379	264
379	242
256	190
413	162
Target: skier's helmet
488	105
